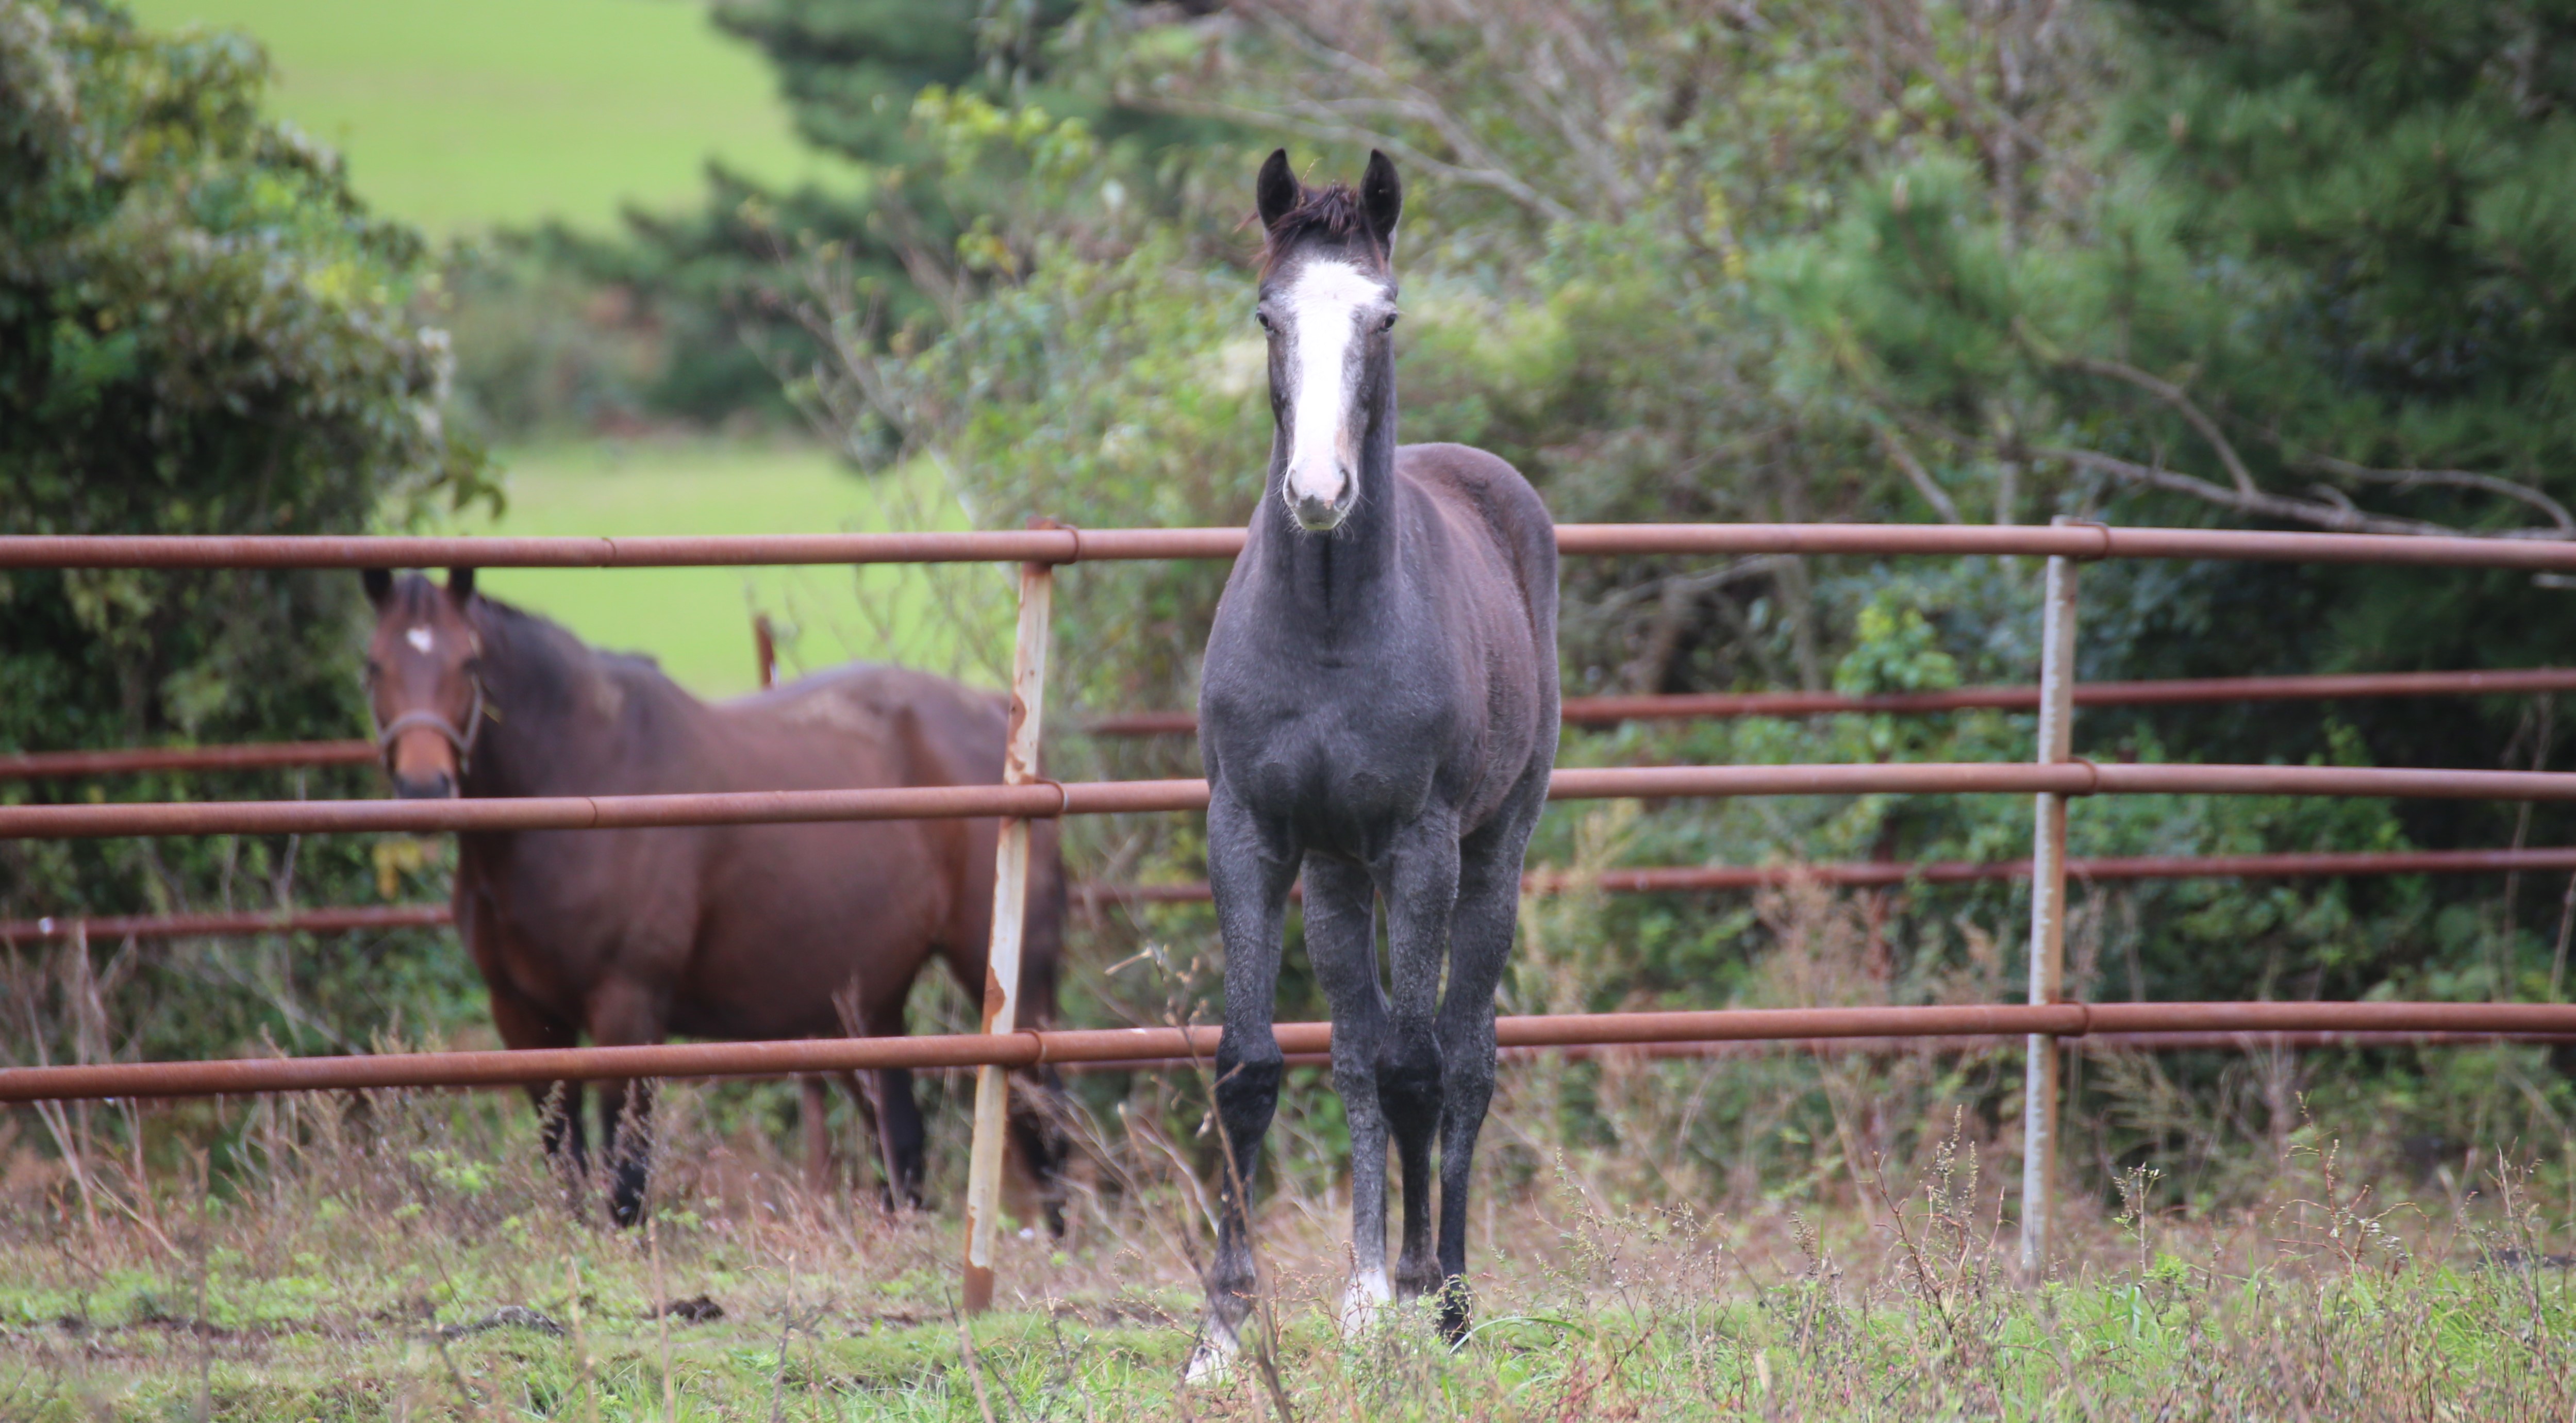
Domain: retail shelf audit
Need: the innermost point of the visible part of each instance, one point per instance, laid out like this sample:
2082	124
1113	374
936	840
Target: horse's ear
1382	198
460	586
1276	192
379	583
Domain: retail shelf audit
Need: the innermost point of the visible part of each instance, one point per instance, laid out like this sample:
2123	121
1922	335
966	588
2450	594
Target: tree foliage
202	331
2253	264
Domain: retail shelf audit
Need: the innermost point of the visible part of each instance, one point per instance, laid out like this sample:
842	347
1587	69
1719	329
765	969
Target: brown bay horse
736	931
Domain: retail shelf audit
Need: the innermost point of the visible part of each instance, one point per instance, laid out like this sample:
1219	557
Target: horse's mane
536	632
1331	212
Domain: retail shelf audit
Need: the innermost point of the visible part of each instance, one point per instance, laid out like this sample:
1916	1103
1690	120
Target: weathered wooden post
1002	965
2048	910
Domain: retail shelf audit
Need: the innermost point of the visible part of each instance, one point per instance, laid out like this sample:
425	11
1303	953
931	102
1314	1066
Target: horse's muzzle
1322	516
432	785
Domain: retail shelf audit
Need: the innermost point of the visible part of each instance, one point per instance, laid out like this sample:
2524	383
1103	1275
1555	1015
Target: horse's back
1483	490
915	728
928	729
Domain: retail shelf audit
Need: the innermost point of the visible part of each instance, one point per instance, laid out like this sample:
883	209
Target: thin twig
2318	513
974	1370
2183	405
1902	456
661	1318
581	1342
1339	131
2405	479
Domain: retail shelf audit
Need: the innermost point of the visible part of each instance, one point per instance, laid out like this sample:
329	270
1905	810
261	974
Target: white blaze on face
1325	305
420	639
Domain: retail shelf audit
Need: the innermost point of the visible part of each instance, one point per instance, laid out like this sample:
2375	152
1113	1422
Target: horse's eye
374	669
1389	323
1264	318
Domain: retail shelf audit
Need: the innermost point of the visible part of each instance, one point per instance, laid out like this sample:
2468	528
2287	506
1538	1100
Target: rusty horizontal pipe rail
248	756
1868	874
1773	1047
1061	546
356	920
1657	880
1909	1046
40	765
1136	1045
1694	706
1050	799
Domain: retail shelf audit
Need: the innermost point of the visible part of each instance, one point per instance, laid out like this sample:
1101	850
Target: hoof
1454	1313
1364	1303
1213	1359
1417	1280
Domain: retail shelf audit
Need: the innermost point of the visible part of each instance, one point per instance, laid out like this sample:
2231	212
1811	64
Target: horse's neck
552	715
1331	579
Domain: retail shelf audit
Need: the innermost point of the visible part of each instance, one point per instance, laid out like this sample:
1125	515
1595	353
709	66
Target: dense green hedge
202	330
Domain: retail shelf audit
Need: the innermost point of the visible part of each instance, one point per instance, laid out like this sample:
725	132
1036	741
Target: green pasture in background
464	114
697	621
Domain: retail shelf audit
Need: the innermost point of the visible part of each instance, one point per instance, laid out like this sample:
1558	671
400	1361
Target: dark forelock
1330	213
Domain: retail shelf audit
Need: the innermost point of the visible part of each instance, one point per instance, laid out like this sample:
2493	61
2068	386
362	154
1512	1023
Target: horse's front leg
1341	940
624	1014
525	1023
1421	882
1250	870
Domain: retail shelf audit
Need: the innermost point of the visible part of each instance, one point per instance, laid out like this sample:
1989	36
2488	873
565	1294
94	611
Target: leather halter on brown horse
739	932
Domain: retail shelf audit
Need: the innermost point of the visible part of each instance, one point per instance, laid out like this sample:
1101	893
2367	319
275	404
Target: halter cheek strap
463	741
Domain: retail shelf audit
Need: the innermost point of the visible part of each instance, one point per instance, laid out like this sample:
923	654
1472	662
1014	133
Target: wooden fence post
1002	964
2047	912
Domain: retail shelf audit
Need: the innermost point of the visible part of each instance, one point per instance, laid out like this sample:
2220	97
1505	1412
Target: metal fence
2055	777
1665	879
1578	711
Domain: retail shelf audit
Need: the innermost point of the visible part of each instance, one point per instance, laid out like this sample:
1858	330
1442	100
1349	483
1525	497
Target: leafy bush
202	331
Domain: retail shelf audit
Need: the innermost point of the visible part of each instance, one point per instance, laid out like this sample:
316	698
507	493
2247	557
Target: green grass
411	1262
697	621
459	115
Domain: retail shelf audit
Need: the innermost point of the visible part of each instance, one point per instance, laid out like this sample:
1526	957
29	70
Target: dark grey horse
1379	707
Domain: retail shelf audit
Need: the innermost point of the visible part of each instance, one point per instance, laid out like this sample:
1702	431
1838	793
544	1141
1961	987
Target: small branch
1902	456
1334	131
2405	479
2174	396
2316	512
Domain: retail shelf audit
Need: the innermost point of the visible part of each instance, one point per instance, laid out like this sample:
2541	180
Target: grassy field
697	621
409	1261
464	114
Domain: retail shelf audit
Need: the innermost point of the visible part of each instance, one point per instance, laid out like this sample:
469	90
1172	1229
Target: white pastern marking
1213	1359
420	638
1368	1292
1325	303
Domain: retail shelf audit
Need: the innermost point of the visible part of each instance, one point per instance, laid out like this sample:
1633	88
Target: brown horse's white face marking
423	681
1321	323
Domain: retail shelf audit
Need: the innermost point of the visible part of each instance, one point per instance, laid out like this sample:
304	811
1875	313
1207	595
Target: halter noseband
463	741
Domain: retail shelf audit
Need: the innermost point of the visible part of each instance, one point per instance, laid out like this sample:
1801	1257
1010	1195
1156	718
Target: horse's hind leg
523	1023
1250	873
1480	946
1421	894
1341	941
899	1138
1039	1141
